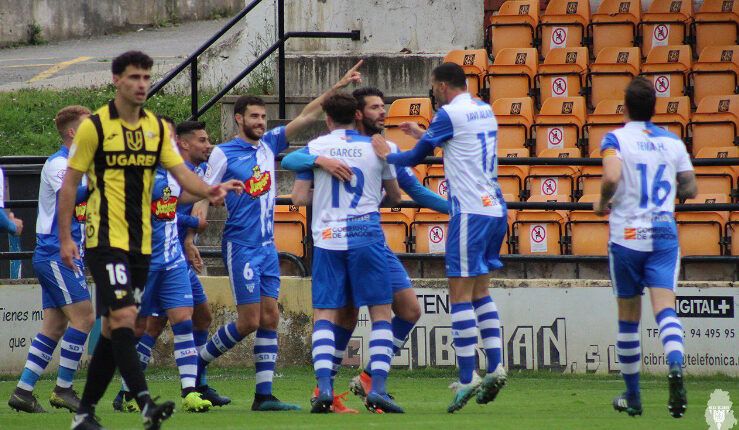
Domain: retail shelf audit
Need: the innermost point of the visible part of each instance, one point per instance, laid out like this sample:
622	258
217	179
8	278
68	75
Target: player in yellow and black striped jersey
119	148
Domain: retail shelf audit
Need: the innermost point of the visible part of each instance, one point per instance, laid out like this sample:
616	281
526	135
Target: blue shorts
399	279
254	271
358	277
166	289
60	285
198	294
473	244
632	270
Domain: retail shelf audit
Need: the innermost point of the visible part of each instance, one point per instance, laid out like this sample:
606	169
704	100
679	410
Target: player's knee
201	318
83	323
411	312
247	325
269	319
125	317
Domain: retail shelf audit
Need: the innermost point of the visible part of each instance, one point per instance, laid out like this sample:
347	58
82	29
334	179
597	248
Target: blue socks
323	350
628	350
185	353
381	352
464	332
201	338
401	328
341	339
73	344
671	335
265	356
39	355
489	325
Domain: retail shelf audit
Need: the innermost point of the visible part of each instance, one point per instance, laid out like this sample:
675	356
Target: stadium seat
475	65
514	26
588	181
563	73
429	231
416	110
718	179
732	233
515	117
611	72
513	152
615	24
701	233
608	116
560	123
716	23
673	114
588	232
512	179
552	182
715	73
435	180
512	73
396	226
564	24
290	229
667	22
539	231
715	123
668	68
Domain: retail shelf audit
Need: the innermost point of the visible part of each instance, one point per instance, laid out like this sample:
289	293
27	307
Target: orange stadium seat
588	181
416	110
715	73
564	24
732	233
430	229
514	26
538	231
396	226
515	117
290	229
673	114
611	72
718	179
615	24
475	65
716	23
715	123
512	73
667	22
563	73
512	179
435	180
552	182
608	116
668	68
560	123
513	152
701	233
588	232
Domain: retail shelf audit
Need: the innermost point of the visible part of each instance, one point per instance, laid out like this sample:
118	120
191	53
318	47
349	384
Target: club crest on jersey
165	208
80	212
259	184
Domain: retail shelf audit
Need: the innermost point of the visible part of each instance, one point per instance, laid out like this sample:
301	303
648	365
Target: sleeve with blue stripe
299	160
609	142
276	139
420	194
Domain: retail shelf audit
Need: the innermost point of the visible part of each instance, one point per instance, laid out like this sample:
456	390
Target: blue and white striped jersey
251	215
346	214
166	251
47	231
642	216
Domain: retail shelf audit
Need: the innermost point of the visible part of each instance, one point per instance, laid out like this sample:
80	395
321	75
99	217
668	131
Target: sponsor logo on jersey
135	160
80	212
259	184
487	200
629	233
165	208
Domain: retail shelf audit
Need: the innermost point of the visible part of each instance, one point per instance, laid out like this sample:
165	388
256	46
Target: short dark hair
640	99
129	58
245	101
188	127
341	108
361	93
451	73
168	120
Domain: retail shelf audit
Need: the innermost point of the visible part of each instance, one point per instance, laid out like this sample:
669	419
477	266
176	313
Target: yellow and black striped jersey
120	160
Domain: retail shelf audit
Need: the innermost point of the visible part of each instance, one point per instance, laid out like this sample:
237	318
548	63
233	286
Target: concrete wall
64	19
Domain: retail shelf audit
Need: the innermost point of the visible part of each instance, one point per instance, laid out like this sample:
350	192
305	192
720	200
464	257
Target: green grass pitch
531	400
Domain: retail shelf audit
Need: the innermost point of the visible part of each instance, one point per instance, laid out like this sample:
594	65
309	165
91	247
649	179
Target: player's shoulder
56	161
656	131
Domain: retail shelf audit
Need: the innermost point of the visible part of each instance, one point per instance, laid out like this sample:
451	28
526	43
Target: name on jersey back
479	114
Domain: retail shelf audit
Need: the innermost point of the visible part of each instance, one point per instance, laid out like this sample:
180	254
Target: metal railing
282	37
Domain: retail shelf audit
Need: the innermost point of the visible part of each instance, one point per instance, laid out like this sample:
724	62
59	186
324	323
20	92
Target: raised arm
312	111
439	131
302	159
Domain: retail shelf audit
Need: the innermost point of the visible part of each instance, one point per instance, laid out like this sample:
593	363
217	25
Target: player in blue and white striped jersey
65	297
467	131
644	168
349	259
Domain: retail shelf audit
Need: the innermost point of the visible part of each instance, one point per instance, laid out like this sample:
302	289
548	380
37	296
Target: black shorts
119	277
